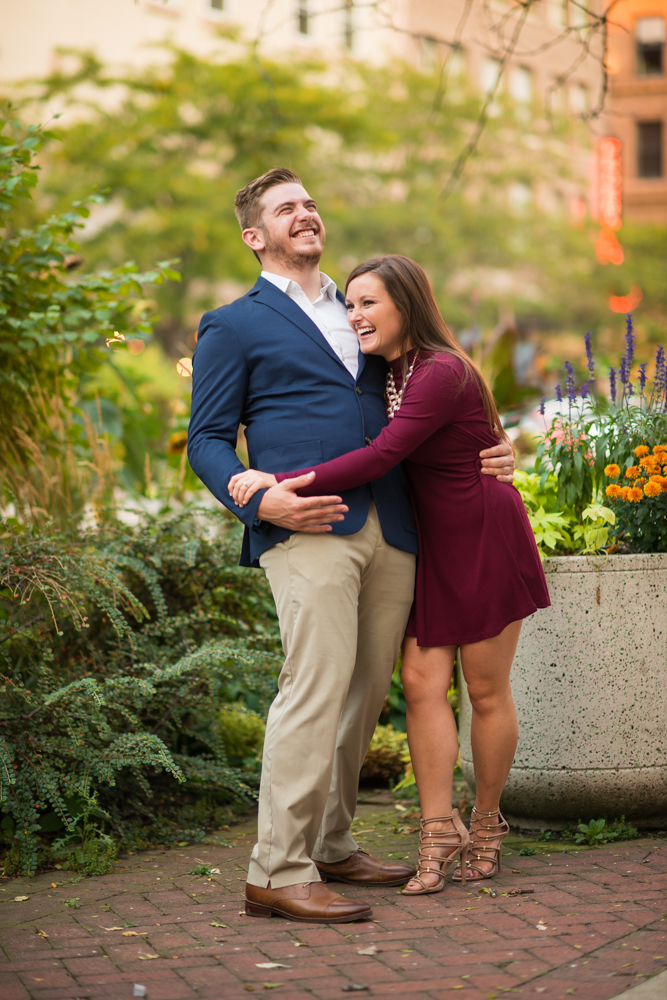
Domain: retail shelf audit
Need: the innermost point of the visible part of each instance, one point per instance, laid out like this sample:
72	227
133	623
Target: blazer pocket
289	457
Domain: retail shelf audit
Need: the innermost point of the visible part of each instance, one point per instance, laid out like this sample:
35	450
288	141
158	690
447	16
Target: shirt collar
283	283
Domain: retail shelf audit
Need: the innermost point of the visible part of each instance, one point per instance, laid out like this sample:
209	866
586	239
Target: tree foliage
368	142
52	321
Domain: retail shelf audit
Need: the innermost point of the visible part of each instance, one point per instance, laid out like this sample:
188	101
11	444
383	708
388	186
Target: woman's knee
486	699
415	681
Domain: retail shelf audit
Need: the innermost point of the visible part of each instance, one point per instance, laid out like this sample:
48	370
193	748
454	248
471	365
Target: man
283	361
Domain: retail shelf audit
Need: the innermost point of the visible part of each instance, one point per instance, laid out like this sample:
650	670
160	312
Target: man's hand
499	461
312	515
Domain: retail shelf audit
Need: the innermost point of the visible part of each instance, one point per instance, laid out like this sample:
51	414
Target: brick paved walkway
594	926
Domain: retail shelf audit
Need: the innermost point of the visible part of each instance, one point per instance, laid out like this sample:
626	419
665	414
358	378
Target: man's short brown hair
248	201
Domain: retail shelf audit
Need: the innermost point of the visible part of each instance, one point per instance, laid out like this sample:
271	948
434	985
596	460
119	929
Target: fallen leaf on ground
542	927
42	934
371	950
145	958
54	885
353	987
271	986
304	944
214	923
38	980
111	928
272	965
20	899
134	933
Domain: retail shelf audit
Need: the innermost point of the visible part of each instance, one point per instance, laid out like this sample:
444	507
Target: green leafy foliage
601	831
527	852
386	757
52	322
85	848
119	646
560	532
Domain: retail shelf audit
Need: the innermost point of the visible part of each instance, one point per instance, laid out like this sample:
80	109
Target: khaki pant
343	603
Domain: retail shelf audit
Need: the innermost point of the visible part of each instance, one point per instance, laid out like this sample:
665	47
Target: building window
348	31
557	14
650	35
302	17
521	84
649	149
490	74
578	99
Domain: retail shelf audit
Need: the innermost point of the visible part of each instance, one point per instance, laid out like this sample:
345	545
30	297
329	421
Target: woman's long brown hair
423	327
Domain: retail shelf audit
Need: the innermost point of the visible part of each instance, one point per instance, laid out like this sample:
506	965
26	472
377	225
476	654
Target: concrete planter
590	686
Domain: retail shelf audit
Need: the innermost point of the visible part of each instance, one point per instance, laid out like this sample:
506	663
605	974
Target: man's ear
254	238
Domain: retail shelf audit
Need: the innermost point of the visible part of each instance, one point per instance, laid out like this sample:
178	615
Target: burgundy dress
479	568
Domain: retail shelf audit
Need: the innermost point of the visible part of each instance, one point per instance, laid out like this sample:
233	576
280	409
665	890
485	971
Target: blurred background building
126	32
636	107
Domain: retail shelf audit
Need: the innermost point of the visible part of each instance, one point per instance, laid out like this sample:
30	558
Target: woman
479	572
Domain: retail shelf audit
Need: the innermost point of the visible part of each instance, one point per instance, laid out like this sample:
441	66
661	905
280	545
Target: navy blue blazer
262	362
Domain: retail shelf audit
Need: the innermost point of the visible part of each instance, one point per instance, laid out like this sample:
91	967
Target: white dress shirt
328	314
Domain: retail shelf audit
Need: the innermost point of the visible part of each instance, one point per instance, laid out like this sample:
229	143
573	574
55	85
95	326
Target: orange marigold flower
635	494
612	471
657	479
660	449
648	462
641	450
652	489
625	492
613	491
632	472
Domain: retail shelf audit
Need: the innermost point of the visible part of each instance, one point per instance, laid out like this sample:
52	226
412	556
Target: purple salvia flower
559	393
612	384
542	402
569	382
590	362
629	340
660	377
585	389
623	375
641	377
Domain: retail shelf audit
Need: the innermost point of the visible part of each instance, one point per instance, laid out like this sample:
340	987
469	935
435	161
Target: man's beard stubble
291	258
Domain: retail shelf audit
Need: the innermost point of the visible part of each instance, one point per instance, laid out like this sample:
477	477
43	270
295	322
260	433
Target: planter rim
606	564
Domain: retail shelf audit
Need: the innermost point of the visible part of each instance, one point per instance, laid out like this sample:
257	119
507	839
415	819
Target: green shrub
387	756
119	647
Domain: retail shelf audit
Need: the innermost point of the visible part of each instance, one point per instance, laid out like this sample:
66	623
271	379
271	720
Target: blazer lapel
267	293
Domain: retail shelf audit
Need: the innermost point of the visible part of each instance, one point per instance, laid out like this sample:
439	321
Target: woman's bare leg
432	736
486	667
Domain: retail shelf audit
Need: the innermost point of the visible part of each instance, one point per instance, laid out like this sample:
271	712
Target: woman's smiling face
374	317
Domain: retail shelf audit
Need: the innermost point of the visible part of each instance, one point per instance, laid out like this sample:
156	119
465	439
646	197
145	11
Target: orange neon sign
610	178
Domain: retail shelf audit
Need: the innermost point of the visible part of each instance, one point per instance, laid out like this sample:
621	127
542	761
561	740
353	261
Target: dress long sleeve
429	403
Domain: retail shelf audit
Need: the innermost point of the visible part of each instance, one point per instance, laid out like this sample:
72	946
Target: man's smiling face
290	231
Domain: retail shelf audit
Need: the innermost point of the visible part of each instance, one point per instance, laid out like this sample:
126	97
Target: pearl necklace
394	398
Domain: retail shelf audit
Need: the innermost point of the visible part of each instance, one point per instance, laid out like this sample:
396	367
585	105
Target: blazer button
368	440
358	391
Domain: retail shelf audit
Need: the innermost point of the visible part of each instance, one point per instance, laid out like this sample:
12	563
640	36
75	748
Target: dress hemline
479	637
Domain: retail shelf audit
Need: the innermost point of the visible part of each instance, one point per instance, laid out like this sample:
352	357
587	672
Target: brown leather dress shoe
310	902
362	869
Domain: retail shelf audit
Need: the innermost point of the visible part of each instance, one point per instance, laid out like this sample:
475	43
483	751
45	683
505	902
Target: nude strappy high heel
480	833
437	864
